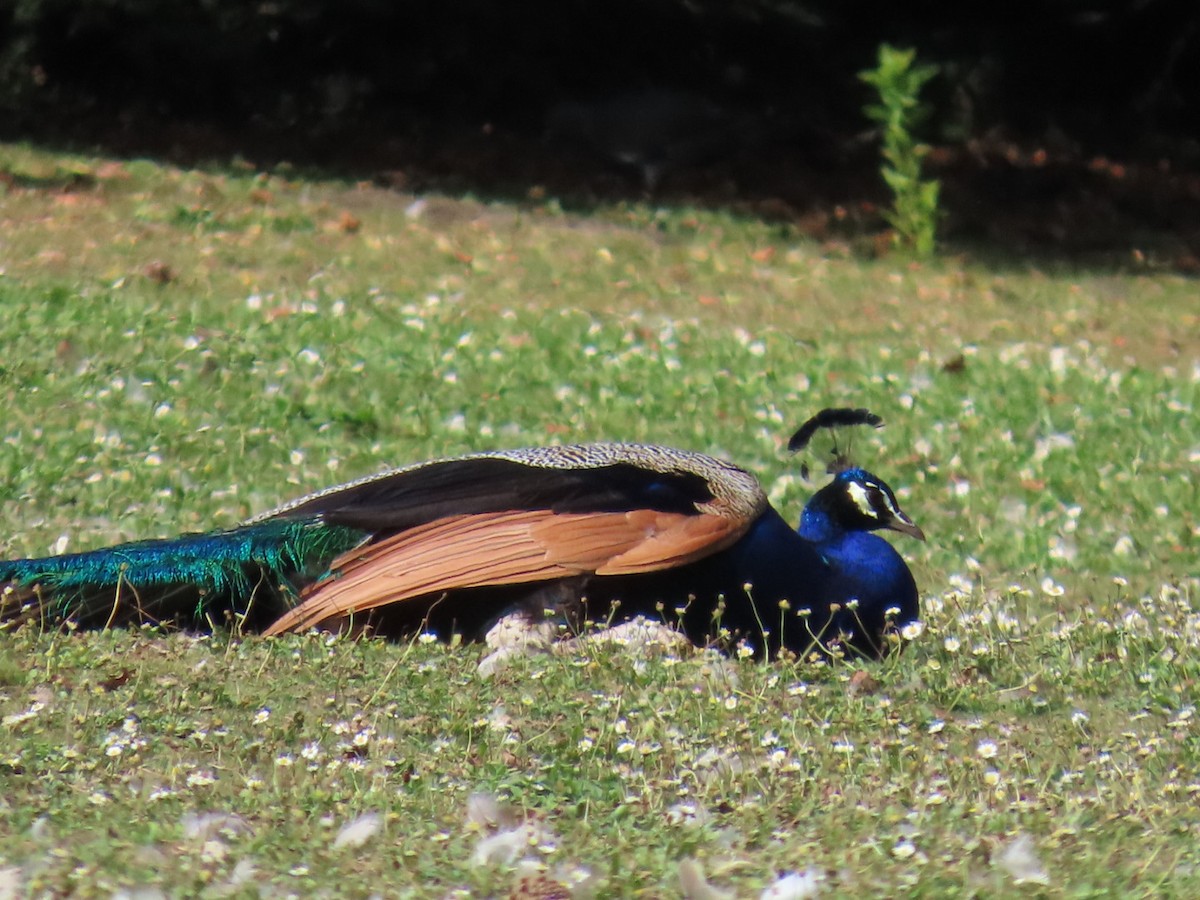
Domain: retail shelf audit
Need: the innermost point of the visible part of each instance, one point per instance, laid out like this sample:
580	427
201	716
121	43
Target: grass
183	349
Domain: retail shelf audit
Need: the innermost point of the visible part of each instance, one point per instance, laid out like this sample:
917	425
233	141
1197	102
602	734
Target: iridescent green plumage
195	577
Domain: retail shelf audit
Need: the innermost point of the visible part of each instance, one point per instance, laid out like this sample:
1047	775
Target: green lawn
183	349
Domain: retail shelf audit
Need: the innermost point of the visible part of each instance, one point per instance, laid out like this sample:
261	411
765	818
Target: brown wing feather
506	548
686	539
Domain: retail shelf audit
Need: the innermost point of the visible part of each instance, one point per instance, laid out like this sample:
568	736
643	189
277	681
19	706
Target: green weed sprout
914	211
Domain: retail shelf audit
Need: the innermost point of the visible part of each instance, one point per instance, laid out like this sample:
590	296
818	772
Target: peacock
586	532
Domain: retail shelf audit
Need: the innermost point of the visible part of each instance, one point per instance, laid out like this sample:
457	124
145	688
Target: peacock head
856	500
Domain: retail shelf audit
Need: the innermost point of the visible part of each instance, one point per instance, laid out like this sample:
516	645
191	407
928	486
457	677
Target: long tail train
249	575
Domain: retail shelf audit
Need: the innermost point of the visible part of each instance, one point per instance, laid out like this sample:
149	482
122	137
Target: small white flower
17	718
504	847
1058	361
794	886
485	811
1019	859
987	749
1051	588
358	831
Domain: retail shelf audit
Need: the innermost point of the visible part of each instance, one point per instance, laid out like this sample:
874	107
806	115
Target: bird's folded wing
512	547
580	478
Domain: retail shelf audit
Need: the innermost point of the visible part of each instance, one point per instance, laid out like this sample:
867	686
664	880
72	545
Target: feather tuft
833	417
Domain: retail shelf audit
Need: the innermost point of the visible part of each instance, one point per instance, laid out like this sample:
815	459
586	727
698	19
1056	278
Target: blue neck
817	526
821	566
862	565
856	552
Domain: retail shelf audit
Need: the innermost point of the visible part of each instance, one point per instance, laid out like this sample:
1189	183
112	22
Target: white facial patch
861	499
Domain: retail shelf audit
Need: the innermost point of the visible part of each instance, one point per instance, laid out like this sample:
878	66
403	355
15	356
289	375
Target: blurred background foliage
747	101
1106	72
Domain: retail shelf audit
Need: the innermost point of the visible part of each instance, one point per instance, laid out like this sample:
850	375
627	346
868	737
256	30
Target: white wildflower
359	830
694	886
1051	588
794	886
1019	859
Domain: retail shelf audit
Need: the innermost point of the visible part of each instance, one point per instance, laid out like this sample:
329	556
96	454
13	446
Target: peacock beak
902	523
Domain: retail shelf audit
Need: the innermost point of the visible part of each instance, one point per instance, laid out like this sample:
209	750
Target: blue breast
775	586
825	569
